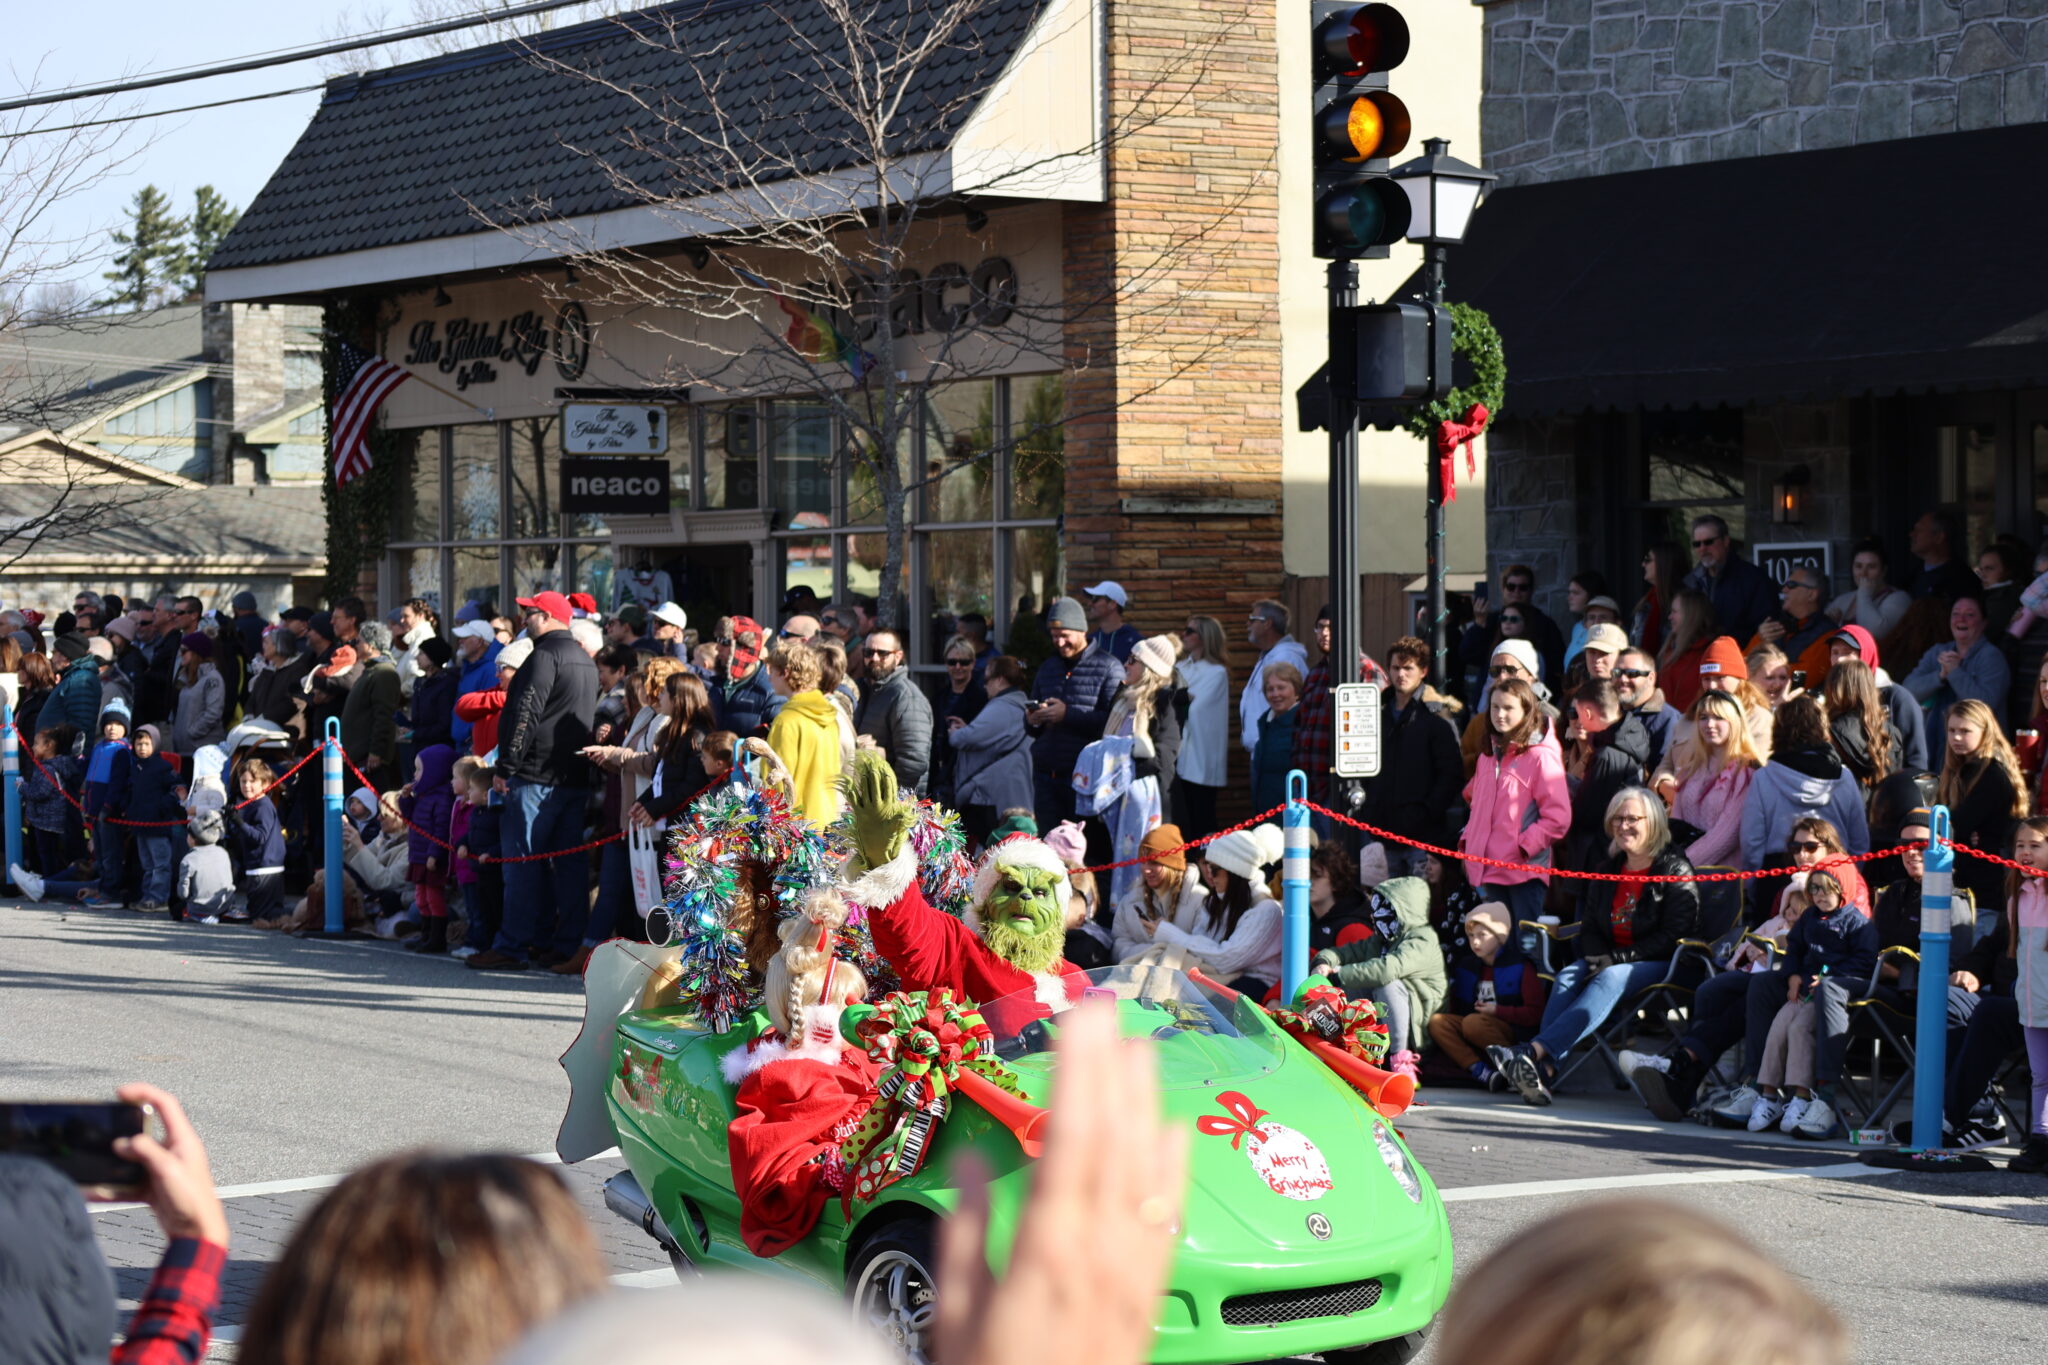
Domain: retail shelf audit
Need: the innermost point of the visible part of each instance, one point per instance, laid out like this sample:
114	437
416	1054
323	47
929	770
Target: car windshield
1206	1033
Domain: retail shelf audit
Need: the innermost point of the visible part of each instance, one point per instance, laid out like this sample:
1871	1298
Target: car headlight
1397	1162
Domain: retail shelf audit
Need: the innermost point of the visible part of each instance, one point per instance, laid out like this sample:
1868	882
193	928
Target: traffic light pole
1436	611
1344	602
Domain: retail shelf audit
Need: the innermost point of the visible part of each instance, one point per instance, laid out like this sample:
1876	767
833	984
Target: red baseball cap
553	603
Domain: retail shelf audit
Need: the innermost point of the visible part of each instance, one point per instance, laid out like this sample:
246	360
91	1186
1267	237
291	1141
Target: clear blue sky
233	149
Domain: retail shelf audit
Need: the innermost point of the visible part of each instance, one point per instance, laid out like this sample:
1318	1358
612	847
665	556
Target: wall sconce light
700	256
441	299
977	220
1788	496
569	273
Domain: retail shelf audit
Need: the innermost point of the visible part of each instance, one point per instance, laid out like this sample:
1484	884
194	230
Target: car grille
1298	1305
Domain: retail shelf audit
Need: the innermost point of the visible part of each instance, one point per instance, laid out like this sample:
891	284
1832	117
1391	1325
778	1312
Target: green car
1309	1229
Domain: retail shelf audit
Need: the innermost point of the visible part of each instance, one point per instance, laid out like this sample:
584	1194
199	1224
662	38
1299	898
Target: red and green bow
1323	1011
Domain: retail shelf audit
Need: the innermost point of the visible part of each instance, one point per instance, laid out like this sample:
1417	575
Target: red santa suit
794	1106
929	948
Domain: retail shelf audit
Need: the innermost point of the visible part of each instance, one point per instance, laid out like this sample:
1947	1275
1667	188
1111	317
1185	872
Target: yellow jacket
805	735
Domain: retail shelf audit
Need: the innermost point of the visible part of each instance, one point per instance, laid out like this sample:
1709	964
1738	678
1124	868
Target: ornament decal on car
1286	1160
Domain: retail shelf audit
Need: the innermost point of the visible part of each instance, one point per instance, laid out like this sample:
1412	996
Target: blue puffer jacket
480	676
745	708
153	793
76	700
1088	685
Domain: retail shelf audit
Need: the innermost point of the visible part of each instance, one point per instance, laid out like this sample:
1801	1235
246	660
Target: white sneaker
31	885
462	953
1764	1113
1632	1061
1795	1110
1739	1105
1817	1123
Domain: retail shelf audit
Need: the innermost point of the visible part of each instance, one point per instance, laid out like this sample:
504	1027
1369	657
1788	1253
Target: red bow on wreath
1449	436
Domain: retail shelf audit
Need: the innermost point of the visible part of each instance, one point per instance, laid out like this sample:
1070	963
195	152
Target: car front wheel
893	1289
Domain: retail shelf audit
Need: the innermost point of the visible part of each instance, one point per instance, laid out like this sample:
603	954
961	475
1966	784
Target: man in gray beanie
1070	697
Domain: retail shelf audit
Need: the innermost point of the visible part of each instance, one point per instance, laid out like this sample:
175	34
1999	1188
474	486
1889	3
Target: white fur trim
884	886
1012	853
743	1062
1052	991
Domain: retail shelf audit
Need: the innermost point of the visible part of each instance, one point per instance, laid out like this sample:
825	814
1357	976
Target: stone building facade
1598	87
1725	264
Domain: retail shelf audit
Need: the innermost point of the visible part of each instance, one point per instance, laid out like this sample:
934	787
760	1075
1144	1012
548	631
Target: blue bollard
10	748
1930	1023
332	797
1294	889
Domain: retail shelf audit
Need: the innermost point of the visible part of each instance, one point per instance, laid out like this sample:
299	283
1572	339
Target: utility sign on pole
1357	750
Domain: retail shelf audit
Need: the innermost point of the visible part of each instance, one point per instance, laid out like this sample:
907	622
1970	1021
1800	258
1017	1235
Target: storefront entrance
706	581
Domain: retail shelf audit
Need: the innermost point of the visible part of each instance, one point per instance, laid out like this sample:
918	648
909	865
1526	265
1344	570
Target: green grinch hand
881	819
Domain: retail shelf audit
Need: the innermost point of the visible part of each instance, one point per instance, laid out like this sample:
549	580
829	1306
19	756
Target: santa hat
1016	852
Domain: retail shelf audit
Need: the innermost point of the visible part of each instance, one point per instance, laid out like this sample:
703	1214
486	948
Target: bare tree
47	162
801	196
350	22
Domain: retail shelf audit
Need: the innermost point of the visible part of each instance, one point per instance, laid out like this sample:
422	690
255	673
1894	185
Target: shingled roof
397	156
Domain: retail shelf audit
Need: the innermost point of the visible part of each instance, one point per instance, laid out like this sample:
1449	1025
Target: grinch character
1010	940
801	1089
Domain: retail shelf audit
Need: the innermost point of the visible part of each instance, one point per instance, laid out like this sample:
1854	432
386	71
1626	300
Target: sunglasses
959	663
1504	671
722	639
790	635
1511	620
1703	544
1631	672
1520	585
1804	846
880	653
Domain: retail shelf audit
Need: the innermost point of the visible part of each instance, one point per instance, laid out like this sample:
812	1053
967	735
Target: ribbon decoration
925	1040
1322	1011
1449	436
1242	1123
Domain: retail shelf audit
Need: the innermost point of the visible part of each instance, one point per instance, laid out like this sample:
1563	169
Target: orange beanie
1724	659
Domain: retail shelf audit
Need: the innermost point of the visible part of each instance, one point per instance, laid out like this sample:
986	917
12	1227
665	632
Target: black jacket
369	718
1619	762
682	777
153	795
895	714
432	710
1665	911
548	712
1982	818
1421	767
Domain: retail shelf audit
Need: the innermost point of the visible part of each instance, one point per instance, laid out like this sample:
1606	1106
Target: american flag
366	381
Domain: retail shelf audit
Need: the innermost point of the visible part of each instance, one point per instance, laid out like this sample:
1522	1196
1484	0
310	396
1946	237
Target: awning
1893	267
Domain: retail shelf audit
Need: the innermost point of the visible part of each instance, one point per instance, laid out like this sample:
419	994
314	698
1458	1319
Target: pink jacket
1715	805
1520	807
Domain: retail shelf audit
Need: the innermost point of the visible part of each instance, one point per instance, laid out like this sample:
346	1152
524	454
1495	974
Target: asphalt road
300	1060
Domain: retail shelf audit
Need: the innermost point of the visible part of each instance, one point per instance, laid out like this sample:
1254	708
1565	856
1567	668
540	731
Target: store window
530	461
1967	460
1038	460
416	507
731	441
960	451
1694	469
800	463
475	463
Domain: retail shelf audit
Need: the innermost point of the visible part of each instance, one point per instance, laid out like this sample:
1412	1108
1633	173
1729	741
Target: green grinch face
1024	921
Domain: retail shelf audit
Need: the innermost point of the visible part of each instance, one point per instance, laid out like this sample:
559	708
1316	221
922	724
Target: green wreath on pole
1473	340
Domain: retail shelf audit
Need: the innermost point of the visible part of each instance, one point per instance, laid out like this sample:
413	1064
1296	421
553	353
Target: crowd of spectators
511	778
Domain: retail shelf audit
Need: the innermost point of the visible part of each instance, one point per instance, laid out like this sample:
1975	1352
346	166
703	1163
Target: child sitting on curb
206	879
1495	996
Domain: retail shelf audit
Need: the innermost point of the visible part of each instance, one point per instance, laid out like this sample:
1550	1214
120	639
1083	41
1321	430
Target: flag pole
489	414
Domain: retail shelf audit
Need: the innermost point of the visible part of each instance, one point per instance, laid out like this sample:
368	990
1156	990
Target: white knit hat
1272	842
1237	851
515	655
1156	652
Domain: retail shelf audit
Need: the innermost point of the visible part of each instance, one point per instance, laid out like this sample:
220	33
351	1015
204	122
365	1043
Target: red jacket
929	949
482	709
787	1113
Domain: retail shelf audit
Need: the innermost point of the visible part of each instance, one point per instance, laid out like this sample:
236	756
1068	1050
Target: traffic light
1359	125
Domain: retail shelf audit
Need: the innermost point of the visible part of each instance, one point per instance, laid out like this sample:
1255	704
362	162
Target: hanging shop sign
470	350
614	429
614	485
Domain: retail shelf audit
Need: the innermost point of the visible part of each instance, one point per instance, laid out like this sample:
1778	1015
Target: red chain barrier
2002	862
493	859
1831	860
279	781
1192	843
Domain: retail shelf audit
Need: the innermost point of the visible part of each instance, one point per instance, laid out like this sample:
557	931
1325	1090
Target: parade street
300	1060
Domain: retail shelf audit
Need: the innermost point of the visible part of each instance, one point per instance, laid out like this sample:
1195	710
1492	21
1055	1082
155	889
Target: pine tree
151	249
212	220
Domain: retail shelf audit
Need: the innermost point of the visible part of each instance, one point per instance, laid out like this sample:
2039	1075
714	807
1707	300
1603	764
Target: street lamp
1442	194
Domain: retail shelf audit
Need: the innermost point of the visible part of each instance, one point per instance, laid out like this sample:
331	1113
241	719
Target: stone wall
1532	505
1594	87
1174	382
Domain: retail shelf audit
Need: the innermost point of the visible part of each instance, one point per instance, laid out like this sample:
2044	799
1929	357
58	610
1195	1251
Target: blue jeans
543	900
614	895
1582	1000
153	849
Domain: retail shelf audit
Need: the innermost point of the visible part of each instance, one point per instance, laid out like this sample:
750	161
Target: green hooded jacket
1410	956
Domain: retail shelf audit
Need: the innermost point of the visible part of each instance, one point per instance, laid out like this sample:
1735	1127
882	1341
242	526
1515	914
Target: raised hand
881	819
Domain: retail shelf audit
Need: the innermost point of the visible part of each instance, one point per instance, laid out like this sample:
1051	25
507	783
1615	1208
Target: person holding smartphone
56	1294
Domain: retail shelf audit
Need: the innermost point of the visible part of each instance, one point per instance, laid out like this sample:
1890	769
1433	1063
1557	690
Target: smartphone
1799	678
77	1137
1482	593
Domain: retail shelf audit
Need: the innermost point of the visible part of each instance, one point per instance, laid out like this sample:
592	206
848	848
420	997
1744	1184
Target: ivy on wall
359	514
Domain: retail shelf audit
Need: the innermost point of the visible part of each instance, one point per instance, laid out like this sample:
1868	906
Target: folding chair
1890	1022
1692	961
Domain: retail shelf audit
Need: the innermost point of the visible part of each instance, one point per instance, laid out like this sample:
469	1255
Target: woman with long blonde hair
1203	766
1985	795
1856	719
1712	777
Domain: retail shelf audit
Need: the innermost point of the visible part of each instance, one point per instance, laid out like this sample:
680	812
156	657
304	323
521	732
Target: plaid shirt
175	1321
1315	724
